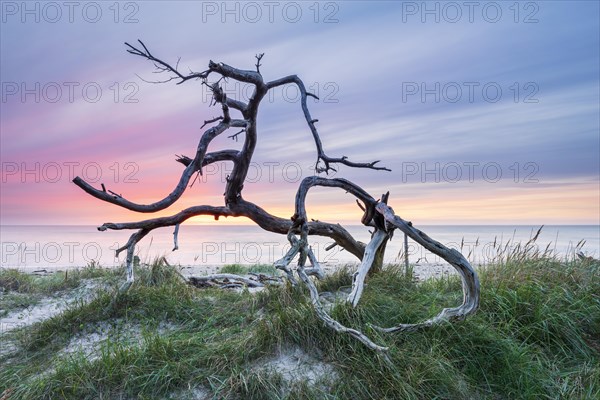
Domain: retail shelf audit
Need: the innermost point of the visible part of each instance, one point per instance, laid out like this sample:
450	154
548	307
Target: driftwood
470	281
226	278
225	281
377	215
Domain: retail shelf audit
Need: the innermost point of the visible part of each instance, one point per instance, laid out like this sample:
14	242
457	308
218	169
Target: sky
486	112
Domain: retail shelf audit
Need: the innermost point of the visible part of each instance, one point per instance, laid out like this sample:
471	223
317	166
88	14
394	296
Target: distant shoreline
65	247
353	224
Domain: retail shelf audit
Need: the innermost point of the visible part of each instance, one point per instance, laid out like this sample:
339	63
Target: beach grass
252	269
536	336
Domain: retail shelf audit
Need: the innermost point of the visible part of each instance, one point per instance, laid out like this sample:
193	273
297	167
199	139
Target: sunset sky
486	114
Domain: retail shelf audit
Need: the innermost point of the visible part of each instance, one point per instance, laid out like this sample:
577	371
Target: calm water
72	246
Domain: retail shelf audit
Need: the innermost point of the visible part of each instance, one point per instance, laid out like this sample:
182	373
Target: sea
59	247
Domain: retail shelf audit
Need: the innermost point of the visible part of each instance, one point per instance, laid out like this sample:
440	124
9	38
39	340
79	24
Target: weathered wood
406	266
358	283
330	322
327	161
377	264
176	238
130	246
170	199
349	187
300	246
284	263
376	213
470	281
231	277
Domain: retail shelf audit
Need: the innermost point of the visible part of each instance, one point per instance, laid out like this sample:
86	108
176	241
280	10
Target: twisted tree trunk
377	215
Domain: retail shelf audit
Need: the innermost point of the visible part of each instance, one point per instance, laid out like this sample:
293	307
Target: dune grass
252	269
20	290
536	336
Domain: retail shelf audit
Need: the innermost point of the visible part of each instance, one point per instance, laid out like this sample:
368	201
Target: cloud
387	84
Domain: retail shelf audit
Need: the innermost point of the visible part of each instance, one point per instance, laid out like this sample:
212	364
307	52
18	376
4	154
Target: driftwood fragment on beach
225	281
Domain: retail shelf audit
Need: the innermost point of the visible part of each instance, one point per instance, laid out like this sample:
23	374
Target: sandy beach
422	271
51	306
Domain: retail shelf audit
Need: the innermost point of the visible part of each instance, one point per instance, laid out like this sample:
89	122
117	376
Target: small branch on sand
175	241
223	279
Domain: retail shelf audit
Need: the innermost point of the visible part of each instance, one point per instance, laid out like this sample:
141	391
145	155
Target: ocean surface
61	247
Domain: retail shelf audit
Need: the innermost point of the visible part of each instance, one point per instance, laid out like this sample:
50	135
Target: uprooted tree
377	214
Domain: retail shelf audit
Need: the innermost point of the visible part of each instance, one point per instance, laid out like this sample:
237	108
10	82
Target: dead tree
377	214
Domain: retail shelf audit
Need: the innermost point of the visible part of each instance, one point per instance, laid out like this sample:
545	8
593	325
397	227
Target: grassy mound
537	335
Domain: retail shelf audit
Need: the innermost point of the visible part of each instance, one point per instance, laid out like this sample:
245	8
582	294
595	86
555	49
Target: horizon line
354	224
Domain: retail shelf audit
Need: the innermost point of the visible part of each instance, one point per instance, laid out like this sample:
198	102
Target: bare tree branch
172	220
358	283
235	135
348	186
376	213
470	281
175	238
258	64
163	66
194	166
130	246
332	323
311	124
